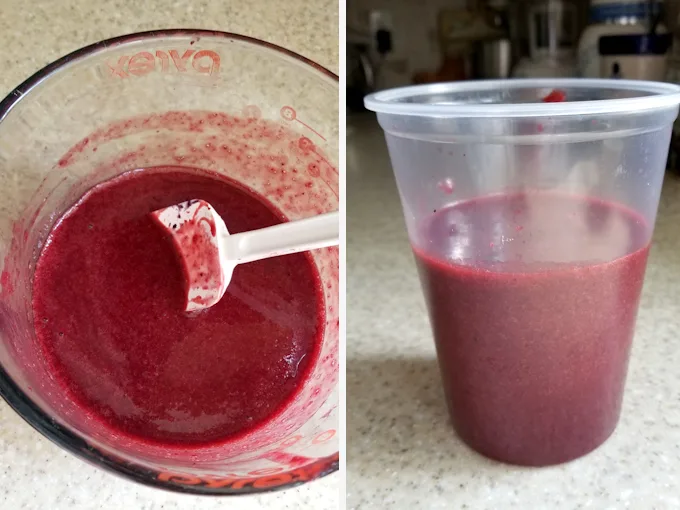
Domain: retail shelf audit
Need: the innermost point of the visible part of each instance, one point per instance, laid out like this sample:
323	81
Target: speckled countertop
402	452
34	473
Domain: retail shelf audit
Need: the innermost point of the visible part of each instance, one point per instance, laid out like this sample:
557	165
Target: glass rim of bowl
24	88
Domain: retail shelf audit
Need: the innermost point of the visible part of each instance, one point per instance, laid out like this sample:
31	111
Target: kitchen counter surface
402	452
34	473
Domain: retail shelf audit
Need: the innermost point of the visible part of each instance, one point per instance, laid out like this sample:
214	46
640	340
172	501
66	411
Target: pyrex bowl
165	98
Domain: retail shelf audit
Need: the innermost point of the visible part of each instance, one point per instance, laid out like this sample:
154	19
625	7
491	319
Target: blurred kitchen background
393	43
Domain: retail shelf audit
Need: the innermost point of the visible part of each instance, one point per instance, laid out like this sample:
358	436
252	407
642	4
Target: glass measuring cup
530	223
183	98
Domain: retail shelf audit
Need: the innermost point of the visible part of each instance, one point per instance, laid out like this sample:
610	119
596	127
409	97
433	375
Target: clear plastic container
531	223
183	98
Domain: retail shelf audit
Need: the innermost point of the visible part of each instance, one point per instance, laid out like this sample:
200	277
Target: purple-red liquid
108	304
533	299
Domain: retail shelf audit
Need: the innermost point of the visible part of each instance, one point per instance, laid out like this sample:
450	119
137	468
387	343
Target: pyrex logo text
203	62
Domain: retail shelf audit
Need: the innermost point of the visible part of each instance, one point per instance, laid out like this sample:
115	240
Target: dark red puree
108	302
533	299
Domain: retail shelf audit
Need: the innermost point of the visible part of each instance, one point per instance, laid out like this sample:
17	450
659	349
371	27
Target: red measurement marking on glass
289	114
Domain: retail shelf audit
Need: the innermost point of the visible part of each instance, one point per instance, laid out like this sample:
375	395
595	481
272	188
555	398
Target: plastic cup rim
661	96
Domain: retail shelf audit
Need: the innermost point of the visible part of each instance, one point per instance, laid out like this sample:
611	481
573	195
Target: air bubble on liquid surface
292	364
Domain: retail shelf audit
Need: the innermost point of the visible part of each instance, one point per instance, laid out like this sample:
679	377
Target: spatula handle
291	237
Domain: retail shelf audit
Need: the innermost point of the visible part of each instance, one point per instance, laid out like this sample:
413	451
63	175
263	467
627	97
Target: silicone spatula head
197	231
209	254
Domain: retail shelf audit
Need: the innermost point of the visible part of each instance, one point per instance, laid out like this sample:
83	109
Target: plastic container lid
522	98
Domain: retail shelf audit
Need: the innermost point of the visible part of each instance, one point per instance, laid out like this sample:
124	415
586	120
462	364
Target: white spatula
210	254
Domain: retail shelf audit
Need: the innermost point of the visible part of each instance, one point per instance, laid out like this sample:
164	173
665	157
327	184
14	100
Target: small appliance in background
365	55
634	57
616	18
360	73
473	42
672	16
553	29
492	55
492	59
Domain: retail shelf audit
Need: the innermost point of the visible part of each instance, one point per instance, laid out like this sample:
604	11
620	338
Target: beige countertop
34	473
402	452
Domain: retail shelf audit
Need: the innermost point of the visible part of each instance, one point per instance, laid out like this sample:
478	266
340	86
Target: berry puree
533	299
108	304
